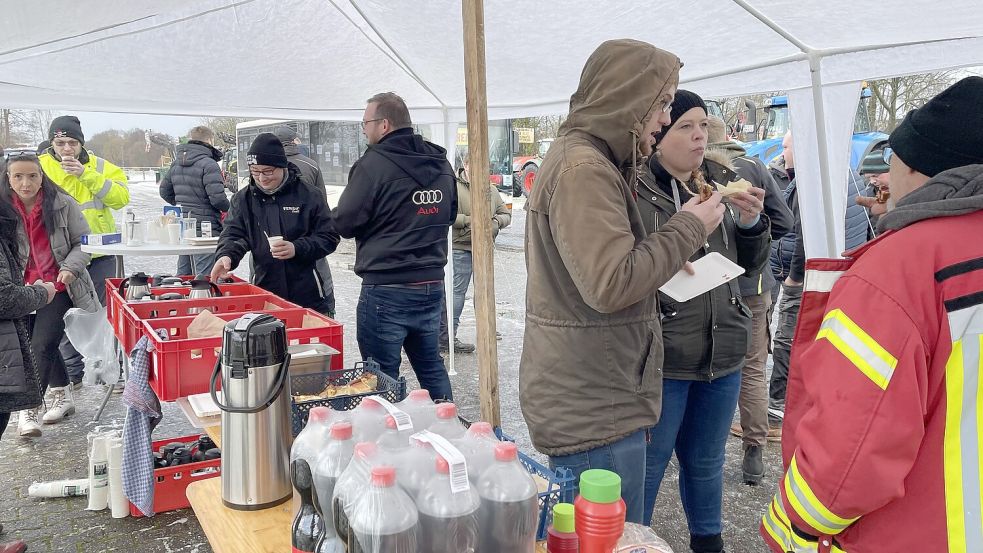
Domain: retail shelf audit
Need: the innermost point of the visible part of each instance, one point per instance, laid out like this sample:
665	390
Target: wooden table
231	531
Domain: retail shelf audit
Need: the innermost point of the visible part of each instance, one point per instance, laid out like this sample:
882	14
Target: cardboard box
102	239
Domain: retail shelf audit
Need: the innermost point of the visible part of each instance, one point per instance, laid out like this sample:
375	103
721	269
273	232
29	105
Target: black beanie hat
683	102
266	149
946	132
66	126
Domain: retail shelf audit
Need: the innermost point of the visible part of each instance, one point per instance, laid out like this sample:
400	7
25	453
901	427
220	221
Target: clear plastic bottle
331	463
420	408
478	446
354	480
509	509
447	423
307	524
309	443
394	442
448	520
369	421
415	467
384	519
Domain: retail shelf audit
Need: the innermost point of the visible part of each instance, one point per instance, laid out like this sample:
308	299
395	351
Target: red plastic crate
115	302
134	313
182	367
171	483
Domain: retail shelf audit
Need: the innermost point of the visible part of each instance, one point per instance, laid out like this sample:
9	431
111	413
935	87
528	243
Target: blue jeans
202	264
626	457
696	418
404	316
463	268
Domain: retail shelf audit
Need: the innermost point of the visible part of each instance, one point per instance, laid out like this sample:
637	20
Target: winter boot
707	544
63	405
753	466
28	425
461	347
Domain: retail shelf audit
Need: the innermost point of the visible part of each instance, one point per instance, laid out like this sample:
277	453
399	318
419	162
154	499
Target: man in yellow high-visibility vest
99	187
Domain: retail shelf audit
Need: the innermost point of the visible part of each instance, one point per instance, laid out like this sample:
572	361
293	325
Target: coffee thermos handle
271	397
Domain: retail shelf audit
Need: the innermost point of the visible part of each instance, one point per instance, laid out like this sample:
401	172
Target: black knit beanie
683	102
66	126
266	149
946	132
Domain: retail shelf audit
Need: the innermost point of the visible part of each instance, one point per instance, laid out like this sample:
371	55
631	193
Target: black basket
392	389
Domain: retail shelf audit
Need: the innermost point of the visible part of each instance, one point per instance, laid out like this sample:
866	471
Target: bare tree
224	127
544	126
893	98
24	126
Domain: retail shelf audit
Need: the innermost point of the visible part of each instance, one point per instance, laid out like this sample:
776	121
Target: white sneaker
28	424
62	405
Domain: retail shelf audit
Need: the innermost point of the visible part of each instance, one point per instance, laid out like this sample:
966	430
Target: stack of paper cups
98	475
117	499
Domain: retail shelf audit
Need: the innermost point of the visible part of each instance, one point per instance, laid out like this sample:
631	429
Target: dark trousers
47	329
4	421
200	264
788	316
100	268
398	317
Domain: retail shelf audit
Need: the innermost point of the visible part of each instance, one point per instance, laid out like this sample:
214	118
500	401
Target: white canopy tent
320	59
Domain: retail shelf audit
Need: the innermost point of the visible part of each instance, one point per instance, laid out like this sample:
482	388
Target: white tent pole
827	188
450	142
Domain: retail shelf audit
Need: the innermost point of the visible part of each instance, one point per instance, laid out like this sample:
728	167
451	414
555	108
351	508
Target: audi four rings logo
428	197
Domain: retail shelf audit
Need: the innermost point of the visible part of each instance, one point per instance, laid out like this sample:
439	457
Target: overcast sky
95	122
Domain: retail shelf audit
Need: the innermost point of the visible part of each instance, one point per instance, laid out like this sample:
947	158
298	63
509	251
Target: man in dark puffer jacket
194	182
788	266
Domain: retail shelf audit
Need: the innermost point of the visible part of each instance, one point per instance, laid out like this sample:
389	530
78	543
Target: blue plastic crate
392	389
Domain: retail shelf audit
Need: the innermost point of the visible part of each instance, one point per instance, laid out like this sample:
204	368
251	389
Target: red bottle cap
481	428
390	422
420	395
383	476
341	430
319	414
443	467
365	450
447	411
506	451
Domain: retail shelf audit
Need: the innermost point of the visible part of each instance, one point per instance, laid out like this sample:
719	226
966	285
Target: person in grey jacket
310	174
194	182
48	246
755	287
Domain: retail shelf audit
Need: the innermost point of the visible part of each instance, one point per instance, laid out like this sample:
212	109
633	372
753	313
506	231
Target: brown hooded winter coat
591	367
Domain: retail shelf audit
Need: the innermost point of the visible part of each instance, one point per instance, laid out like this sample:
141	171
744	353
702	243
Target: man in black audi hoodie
286	225
400	201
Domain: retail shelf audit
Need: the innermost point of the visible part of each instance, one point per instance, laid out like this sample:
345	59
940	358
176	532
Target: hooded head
622	87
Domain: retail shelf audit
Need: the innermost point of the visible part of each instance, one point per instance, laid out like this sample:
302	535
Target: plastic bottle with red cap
421	409
415	468
448	519
331	463
307	525
478	446
599	511
447	423
308	444
384	519
561	536
394	442
369	420
353	481
509	512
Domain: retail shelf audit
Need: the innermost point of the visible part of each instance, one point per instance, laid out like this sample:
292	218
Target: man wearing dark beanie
283	222
881	441
99	187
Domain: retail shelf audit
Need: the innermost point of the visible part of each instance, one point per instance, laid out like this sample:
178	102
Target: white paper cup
273	240
174	233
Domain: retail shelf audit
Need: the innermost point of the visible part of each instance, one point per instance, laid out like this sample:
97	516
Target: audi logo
428	197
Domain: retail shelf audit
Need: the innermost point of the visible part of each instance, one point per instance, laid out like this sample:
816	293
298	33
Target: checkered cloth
142	415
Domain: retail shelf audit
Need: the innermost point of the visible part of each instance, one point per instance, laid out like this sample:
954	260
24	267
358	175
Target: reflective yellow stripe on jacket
779	527
963	444
857	346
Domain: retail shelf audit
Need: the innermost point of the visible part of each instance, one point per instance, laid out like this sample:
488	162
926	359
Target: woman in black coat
19	387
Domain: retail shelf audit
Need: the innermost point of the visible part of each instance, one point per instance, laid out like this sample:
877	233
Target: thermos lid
600	486
563	519
254	340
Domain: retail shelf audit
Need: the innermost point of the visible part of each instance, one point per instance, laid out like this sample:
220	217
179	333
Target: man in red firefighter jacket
883	428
